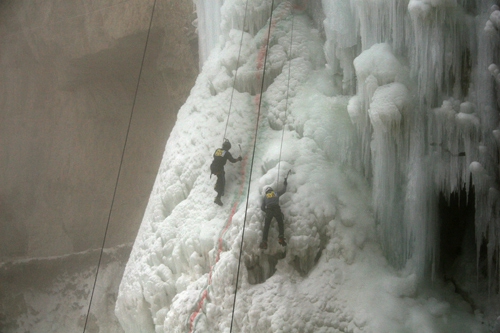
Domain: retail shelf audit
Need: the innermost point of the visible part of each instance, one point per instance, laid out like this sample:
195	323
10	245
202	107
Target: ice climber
221	155
271	206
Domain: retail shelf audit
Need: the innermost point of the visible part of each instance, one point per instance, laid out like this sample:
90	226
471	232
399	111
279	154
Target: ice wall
208	26
388	96
425	109
443	137
213	20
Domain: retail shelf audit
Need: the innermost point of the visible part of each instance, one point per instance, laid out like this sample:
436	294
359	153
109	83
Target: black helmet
226	145
268	189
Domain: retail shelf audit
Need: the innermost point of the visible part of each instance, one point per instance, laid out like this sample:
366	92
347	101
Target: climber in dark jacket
221	156
271	206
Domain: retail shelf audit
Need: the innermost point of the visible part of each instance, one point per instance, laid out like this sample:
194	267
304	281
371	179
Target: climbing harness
120	167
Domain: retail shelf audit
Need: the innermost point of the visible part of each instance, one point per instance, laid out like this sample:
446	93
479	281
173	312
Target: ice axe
288	174
241	151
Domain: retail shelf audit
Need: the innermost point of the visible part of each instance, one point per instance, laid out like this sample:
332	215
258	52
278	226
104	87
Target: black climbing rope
237	66
120	168
251	165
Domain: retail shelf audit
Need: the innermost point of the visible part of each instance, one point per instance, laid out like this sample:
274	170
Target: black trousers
221	183
278	215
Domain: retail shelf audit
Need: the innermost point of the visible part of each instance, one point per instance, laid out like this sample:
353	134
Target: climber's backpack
217	165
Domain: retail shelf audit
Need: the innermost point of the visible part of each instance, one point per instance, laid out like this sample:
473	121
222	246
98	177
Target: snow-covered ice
52	294
366	171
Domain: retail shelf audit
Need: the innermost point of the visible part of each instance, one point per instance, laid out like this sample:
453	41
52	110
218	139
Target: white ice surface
181	275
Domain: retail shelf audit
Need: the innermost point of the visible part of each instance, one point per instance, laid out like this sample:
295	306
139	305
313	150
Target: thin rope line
286	103
251	166
120	167
237	66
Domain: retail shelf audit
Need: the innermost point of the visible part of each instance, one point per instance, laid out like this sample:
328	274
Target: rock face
90	92
70	81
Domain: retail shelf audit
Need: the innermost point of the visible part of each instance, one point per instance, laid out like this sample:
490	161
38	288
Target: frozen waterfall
389	111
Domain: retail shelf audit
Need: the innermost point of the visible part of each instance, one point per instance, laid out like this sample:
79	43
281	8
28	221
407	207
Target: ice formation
384	107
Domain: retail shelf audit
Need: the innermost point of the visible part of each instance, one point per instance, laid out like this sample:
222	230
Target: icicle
208	24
